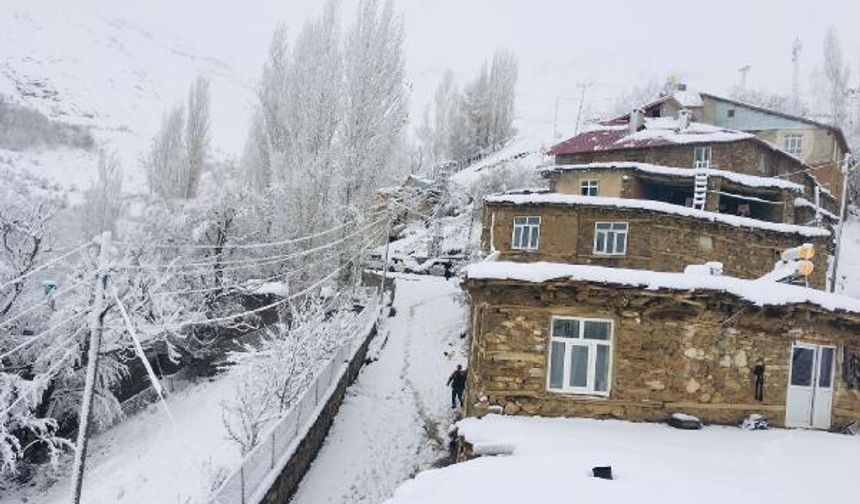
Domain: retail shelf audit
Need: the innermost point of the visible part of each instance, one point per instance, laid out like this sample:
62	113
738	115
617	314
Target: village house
556	339
682	143
654	276
640	234
819	145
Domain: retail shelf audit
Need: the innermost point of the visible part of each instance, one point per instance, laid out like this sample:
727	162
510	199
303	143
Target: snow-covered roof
656	206
802	202
656	132
739	178
758	292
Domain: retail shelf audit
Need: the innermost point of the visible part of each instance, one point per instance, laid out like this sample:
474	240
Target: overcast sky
611	45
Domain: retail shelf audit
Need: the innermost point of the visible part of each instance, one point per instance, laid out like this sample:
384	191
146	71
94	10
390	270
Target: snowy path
385	430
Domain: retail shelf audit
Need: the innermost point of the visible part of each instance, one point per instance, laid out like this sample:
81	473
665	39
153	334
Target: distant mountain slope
81	66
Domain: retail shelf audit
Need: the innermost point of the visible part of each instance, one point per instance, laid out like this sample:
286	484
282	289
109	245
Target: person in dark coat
457	382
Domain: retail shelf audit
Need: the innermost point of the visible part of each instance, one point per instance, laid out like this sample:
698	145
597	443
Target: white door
810	386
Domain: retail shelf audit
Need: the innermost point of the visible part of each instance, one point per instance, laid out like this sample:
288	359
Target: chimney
684	119
637	120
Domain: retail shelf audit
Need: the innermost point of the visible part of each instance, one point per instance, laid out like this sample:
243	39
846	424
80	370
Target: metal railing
264	462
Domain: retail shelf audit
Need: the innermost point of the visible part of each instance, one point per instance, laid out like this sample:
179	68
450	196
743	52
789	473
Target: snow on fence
263	464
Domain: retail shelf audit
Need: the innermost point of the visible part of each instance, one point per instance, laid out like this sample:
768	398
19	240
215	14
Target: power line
50	297
287	299
43	334
253	262
259	245
43	266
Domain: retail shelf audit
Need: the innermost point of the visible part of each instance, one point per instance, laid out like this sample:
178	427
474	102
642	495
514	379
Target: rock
655	385
693	386
512	408
684	421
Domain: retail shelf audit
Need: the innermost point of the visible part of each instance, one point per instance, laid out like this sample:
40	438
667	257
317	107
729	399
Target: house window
794	144
610	238
580	356
526	233
730	113
588	187
701	157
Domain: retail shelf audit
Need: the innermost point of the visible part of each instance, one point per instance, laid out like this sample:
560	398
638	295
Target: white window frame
706	161
793	144
526	225
615	233
586	187
592	345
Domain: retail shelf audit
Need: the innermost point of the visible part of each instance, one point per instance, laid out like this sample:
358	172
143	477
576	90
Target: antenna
795	75
744	70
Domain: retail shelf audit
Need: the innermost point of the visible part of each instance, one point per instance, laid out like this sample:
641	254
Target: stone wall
672	351
291	476
656	241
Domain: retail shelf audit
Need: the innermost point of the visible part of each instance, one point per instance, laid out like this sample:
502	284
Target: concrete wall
672	351
656	241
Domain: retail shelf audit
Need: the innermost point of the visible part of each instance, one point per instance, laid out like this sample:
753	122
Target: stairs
700	188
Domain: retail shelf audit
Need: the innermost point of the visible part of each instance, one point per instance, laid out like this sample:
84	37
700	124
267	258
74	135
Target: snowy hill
85	66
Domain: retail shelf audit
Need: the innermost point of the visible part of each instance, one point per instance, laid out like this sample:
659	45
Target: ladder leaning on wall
700	188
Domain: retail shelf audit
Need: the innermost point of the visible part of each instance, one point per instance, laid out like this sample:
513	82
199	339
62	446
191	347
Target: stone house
639	234
681	143
820	145
555	339
764	198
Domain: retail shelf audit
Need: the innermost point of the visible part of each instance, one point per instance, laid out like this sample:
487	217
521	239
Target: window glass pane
518	237
600	244
801	366
565	328
556	365
825	376
595	330
620	243
519	221
601	369
610	242
619	226
578	366
534	220
533	243
603	226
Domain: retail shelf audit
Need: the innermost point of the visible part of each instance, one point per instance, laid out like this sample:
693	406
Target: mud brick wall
655	241
672	351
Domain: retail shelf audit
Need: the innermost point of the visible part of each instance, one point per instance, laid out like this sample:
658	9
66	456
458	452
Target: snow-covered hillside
80	62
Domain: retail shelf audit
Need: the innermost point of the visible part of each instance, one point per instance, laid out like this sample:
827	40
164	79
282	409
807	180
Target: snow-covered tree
836	76
178	151
103	200
376	99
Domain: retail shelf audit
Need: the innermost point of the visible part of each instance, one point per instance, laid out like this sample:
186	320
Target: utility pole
96	327
385	264
847	164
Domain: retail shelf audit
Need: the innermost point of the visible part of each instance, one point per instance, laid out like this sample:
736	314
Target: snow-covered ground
146	459
394	420
551	461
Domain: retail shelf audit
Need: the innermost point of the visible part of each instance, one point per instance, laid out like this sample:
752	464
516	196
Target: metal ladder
700	188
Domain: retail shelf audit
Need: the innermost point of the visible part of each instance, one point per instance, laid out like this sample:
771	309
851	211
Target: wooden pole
96	327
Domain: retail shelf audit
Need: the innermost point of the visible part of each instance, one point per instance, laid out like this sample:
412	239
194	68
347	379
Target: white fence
261	467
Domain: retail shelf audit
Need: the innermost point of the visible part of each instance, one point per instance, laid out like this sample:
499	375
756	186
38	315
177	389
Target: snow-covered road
393	421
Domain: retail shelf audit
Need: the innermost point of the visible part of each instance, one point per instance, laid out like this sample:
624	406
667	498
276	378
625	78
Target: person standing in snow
457	382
